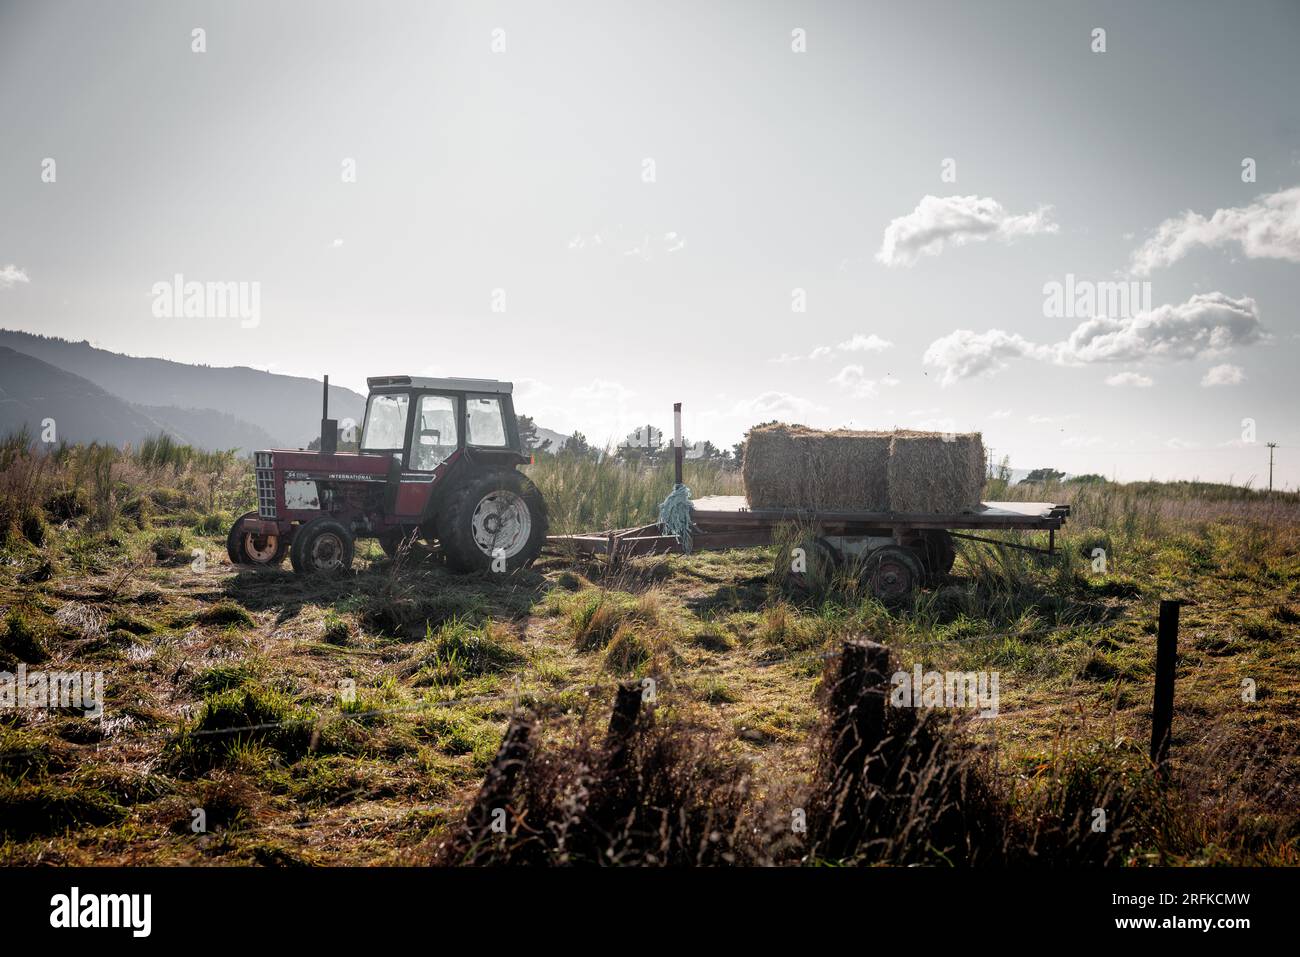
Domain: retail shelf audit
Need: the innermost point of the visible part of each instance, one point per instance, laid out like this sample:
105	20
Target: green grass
294	773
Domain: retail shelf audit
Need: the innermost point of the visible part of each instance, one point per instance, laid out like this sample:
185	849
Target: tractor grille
266	493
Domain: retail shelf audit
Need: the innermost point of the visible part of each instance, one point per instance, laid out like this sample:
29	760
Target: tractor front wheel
322	546
495	522
247	548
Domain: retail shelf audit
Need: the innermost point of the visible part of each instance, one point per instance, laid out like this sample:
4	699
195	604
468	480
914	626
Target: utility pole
1271	447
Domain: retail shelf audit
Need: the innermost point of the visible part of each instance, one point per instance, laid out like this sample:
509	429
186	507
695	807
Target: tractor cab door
435	444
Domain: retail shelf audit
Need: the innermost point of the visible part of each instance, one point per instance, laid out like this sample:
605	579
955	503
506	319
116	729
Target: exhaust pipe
329	428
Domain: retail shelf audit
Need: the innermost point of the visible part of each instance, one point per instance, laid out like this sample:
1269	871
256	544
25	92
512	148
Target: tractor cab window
486	427
385	428
435	432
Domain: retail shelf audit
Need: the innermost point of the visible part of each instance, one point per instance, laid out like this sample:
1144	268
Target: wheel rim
260	548
327	552
892	579
501	524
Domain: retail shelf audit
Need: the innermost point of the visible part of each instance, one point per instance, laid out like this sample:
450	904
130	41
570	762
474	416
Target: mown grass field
99	571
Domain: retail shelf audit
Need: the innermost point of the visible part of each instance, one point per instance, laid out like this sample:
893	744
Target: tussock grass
736	658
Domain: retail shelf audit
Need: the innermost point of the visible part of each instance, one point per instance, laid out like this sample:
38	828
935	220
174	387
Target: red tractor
438	460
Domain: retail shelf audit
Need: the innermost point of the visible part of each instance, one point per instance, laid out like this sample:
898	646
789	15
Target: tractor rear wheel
247	548
392	539
322	546
893	573
496	522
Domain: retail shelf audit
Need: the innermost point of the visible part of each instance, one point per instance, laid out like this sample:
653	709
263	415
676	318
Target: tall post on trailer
677	442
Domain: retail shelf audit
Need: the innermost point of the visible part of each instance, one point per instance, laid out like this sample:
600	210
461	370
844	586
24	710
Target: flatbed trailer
898	551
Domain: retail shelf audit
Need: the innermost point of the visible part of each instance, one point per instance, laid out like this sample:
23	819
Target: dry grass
439	663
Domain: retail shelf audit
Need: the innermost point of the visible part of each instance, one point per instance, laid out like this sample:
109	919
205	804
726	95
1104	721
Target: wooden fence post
857	709
499	782
1162	705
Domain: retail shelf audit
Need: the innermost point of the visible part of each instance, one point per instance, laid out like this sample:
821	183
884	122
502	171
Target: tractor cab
425	423
437	461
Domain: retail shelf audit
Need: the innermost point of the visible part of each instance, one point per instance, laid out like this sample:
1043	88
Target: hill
287	408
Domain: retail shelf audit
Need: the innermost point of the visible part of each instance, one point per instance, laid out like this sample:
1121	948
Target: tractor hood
336	466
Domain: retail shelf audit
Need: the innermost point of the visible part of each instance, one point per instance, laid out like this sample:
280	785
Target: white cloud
1134	379
853	380
1226	374
1081	441
1205	325
964	354
1000	414
1268	228
955	220
775	405
1180	444
861	343
11	275
602	392
529	390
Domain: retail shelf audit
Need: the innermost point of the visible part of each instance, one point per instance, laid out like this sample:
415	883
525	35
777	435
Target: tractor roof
450	385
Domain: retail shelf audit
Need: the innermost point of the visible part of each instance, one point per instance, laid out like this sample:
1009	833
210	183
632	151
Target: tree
528	436
1042	475
577	446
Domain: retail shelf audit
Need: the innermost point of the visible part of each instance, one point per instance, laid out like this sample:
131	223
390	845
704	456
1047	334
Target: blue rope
675	516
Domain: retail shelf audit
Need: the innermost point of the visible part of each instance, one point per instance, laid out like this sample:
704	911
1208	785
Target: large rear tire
246	548
322	546
496	522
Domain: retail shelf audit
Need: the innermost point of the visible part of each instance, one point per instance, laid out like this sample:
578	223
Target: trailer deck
727	521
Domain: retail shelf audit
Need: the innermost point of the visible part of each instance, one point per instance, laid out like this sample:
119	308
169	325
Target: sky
842	214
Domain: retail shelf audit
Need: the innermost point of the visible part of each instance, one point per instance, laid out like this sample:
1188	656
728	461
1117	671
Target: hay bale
793	466
935	472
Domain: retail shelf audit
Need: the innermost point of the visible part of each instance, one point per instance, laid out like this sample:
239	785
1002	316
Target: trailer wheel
322	546
893	573
247	548
495	516
814	569
939	553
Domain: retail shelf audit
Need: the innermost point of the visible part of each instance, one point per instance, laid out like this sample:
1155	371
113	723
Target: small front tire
322	546
247	548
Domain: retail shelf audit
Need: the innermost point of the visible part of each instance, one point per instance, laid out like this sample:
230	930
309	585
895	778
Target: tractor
437	460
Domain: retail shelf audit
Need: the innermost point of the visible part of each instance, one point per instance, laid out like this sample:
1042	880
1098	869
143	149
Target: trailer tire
322	546
495	515
893	573
244	548
821	562
938	555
